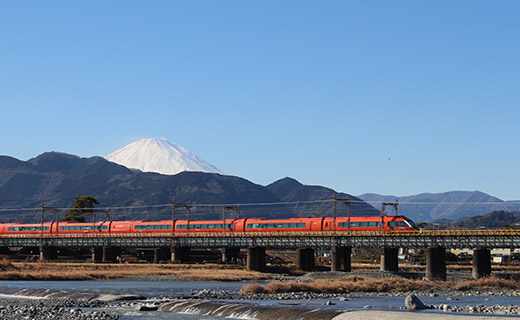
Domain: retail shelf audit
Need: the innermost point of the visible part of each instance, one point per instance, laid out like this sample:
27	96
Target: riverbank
354	283
36	299
89	271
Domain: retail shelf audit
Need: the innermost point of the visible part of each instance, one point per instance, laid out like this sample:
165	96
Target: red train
373	223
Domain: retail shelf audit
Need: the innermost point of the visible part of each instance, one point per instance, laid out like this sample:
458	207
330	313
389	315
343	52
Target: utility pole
236	209
383	210
347	201
42	218
181	205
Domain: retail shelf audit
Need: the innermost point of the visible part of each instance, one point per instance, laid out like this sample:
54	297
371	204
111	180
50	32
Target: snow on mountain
161	156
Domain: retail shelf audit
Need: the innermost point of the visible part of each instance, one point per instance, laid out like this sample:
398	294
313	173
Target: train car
188	226
153	226
123	226
28	228
283	225
66	227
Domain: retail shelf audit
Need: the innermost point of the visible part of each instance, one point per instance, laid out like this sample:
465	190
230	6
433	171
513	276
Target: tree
83	207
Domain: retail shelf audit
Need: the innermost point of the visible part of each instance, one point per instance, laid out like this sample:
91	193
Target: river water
157	290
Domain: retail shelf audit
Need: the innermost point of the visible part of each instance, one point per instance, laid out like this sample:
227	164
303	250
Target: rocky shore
42	304
50	309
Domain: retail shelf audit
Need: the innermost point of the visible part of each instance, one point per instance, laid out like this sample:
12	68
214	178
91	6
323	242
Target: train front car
373	223
399	223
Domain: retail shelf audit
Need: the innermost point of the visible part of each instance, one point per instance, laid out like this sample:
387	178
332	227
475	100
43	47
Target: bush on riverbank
488	282
345	285
6	265
365	284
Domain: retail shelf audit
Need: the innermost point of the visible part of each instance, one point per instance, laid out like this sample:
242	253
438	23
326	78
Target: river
161	290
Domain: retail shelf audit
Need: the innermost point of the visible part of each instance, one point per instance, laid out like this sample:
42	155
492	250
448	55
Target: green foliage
83	207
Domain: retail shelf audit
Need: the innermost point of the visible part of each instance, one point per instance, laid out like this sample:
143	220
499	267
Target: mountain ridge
160	156
453	205
55	179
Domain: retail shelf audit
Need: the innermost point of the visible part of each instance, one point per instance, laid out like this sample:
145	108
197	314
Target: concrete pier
255	259
180	254
481	263
97	254
389	259
436	264
48	253
161	254
305	260
109	254
341	259
230	254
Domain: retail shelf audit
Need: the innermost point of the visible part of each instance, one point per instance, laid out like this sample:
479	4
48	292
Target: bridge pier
230	254
110	253
161	254
481	263
97	254
48	253
341	259
436	263
255	259
389	260
305	260
180	254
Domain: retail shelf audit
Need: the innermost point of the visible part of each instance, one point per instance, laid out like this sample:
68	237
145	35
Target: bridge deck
480	238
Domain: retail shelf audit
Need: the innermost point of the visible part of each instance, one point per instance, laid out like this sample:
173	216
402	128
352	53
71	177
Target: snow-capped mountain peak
161	156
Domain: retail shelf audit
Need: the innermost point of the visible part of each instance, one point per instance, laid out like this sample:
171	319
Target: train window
151	227
27	229
77	228
354	224
397	224
374	224
412	224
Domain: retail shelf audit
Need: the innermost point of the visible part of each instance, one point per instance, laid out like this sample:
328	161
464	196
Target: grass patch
365	284
88	271
488	282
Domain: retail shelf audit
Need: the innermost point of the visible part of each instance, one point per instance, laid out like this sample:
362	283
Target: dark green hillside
290	190
496	219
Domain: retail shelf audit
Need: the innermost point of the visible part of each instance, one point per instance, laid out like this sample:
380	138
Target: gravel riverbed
48	309
80	308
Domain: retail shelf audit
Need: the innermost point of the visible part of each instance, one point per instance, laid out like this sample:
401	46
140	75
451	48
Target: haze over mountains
55	179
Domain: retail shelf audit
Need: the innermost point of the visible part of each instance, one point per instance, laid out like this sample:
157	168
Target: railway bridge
176	247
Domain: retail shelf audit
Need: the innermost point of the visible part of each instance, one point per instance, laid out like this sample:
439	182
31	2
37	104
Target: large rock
413	303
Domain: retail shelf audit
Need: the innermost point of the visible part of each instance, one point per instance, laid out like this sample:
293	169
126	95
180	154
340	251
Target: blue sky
390	97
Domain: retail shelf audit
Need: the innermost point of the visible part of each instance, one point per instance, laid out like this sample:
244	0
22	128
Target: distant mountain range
495	219
55	179
454	205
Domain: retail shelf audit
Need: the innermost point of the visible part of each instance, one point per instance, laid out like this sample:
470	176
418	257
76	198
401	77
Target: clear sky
390	97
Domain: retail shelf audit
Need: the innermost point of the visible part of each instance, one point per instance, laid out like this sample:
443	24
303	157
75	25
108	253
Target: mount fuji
161	156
